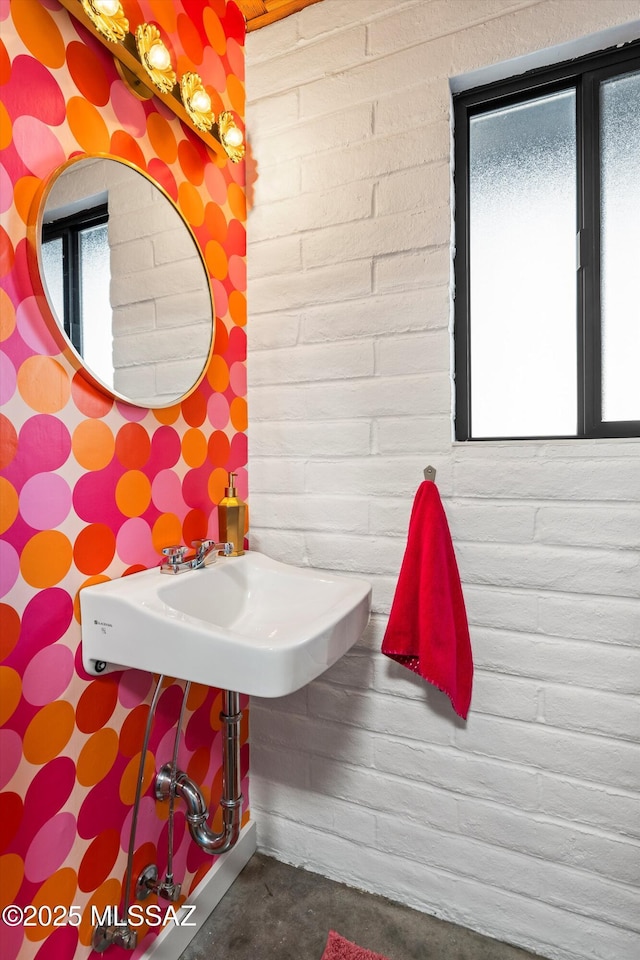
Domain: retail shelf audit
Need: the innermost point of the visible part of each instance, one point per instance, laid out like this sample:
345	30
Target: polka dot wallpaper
91	488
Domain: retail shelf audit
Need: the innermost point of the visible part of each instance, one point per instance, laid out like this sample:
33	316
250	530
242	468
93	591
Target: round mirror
125	281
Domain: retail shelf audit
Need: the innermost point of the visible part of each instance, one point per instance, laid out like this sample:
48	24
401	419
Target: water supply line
121	934
231	801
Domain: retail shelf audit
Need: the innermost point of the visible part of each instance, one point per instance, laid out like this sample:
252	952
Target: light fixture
108	18
155	57
231	136
197	101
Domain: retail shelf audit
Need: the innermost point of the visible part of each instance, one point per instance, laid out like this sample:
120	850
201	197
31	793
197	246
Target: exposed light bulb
201	101
158	56
107	7
233	136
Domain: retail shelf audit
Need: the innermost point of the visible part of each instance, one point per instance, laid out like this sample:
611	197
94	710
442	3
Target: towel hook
430	473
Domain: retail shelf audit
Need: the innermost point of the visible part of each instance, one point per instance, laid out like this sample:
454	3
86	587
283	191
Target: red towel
428	630
338	948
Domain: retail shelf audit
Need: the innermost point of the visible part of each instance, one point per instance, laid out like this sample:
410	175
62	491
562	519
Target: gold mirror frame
44	300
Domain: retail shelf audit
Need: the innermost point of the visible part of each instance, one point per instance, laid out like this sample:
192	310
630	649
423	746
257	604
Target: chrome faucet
178	561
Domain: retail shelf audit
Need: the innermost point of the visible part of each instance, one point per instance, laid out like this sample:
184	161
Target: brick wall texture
524	822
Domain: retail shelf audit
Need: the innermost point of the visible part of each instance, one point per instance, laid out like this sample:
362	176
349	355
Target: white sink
248	623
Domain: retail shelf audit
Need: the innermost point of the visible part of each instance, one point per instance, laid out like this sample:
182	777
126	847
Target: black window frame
69	229
585	76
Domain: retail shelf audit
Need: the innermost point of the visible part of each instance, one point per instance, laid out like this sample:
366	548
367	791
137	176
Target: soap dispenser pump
231	518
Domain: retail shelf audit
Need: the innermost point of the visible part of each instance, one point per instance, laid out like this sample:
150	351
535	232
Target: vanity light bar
146	59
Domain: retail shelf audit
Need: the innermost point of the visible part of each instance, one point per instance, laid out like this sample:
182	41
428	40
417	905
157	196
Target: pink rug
338	948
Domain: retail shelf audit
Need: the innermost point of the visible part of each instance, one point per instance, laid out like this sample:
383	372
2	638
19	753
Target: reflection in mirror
125	281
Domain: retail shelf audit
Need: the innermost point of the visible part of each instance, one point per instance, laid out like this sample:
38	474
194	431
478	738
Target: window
547	321
76	260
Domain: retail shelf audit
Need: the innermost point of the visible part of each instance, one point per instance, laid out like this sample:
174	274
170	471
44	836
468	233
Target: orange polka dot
191	161
132	732
11	690
9	629
23	194
162	137
133	493
11	876
237	201
235	91
94	548
39	32
165	13
105	896
93	444
190	202
216	260
167	415
5	64
166	530
218	480
129	778
6	132
133	446
43	384
9	503
125	146
58	890
194	526
8	441
87	125
238	308
7	315
218	374
238	412
7	255
194	448
46	558
215	31
197	695
194	409
190	38
87	399
216	222
219	447
97	757
87	583
49	732
96	704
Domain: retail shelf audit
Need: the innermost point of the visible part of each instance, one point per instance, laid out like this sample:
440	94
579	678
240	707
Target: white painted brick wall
523	823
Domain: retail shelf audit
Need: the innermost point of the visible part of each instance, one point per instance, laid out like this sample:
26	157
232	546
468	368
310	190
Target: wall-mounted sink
247	623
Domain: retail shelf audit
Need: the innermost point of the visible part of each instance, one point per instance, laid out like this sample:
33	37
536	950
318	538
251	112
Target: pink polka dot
212	68
134	414
49	848
147	828
9	567
134	544
33	90
37	146
133	688
129	111
48	792
45	443
45	501
48	675
12	937
7	378
10	755
215	184
220	297
6	190
166	493
218	411
33	331
238	379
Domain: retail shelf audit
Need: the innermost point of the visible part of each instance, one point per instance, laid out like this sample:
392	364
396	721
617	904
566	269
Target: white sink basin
248	623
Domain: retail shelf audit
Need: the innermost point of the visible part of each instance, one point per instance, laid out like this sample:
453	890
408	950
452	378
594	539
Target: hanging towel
428	630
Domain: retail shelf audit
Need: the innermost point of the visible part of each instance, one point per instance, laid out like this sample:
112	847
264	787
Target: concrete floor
277	912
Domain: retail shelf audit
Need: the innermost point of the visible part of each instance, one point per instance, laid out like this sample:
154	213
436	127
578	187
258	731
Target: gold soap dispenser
232	512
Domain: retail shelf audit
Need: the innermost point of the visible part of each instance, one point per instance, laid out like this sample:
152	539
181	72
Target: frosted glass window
54	274
522	268
95	308
620	246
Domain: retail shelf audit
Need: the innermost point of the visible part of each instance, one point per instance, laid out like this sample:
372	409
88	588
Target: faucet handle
175	553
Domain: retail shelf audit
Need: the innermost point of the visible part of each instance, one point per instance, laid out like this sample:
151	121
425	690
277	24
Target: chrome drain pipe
231	800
